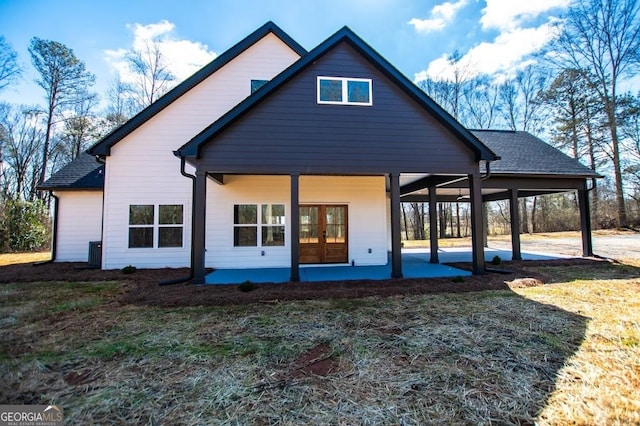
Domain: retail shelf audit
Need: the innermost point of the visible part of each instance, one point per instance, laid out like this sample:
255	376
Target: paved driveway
612	246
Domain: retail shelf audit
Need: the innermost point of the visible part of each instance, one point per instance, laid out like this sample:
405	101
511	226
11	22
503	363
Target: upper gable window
344	91
256	84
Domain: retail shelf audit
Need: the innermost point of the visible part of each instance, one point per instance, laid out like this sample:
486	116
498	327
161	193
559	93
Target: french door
323	234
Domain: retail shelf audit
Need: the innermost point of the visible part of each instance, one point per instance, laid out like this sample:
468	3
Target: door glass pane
309	225
336	224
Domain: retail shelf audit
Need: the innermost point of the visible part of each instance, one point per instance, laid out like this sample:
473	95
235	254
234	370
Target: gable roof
192	148
83	173
522	153
103	147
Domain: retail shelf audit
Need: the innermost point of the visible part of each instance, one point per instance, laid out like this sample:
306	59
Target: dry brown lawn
15	258
567	352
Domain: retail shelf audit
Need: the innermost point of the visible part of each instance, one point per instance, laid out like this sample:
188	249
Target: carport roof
521	153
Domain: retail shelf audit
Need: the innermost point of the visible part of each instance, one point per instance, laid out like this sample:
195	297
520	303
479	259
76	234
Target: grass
563	353
14	258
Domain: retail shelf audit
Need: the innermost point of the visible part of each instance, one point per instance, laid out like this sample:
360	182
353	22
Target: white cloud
507	15
511	49
441	15
183	57
504	56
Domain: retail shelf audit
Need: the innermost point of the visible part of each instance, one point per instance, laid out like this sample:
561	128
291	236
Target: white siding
79	221
143	170
365	197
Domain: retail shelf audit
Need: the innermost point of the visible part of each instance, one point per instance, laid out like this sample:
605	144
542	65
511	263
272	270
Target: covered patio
415	264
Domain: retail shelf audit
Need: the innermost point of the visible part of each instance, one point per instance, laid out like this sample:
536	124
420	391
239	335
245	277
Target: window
170	225
344	91
272	225
143	226
252	220
256	84
140	226
245	225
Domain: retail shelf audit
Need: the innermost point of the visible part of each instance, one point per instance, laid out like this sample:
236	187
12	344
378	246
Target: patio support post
396	247
585	222
295	227
477	246
516	254
433	225
198	244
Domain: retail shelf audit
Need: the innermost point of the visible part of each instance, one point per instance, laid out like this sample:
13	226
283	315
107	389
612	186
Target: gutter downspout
54	232
193	216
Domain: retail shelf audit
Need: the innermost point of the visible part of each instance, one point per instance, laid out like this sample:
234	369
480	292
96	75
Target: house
272	156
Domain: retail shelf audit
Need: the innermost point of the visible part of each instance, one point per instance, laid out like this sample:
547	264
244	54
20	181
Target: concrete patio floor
415	264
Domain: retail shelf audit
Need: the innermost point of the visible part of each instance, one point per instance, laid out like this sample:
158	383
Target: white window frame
259	226
345	91
155	226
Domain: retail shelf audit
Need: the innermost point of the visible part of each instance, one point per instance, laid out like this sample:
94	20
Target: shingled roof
521	153
83	173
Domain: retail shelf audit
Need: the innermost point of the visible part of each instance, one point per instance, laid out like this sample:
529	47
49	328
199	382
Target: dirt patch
525	282
317	361
142	288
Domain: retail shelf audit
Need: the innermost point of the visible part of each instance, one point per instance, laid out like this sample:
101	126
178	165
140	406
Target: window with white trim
156	226
345	91
258	225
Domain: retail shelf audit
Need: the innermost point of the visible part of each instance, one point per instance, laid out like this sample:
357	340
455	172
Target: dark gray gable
522	153
83	173
103	147
367	54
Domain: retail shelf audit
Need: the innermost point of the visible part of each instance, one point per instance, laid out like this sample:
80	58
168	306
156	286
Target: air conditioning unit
95	254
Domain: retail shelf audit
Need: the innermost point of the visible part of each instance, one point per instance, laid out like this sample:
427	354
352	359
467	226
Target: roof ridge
192	148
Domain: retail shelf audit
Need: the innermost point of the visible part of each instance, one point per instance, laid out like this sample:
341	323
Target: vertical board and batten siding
143	170
79	222
364	195
288	131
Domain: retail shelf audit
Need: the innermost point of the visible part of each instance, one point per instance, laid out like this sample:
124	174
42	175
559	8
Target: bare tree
22	140
519	103
79	128
481	103
152	76
64	79
603	36
10	69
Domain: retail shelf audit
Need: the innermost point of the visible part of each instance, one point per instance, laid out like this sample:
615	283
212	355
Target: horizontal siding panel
79	222
395	134
367	216
142	168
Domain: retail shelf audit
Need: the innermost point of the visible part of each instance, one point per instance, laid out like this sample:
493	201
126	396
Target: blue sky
494	36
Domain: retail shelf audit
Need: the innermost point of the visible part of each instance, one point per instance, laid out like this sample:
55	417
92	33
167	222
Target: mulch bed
142	287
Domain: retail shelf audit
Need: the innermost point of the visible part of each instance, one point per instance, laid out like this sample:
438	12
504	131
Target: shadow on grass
415	352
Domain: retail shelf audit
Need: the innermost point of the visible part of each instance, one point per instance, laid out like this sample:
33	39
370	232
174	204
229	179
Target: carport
527	167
